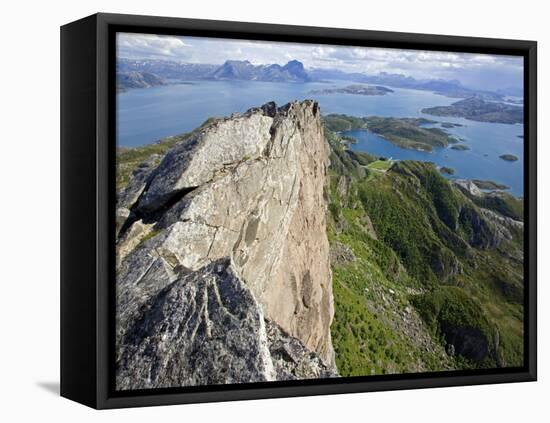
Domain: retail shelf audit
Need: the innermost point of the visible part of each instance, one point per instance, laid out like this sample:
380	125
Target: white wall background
29	210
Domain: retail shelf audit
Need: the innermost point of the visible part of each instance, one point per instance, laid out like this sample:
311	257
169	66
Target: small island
404	132
489	185
456	138
409	132
340	122
449	125
508	157
348	140
447	170
460	147
356	90
477	109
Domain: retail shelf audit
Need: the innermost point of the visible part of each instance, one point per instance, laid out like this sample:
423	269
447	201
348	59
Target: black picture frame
88	201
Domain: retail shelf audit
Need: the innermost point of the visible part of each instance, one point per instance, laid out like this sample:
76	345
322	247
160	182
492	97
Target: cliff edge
223	272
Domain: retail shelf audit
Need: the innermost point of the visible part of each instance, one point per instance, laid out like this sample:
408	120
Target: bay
148	115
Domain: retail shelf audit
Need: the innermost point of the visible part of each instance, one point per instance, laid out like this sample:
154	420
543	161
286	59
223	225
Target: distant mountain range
449	88
294	71
167	69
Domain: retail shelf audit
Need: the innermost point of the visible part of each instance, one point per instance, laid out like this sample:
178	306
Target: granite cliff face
223	272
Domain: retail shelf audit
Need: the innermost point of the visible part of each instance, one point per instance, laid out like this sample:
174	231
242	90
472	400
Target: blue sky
481	71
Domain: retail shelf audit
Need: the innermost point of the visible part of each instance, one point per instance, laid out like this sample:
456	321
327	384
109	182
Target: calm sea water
147	115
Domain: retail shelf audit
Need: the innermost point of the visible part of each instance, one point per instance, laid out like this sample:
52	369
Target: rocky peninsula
475	108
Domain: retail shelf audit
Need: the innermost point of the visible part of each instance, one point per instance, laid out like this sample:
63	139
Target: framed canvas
256	211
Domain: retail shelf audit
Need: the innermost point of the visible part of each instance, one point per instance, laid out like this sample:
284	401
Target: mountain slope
365	266
435	278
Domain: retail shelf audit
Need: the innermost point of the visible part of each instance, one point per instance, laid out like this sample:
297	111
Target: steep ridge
223	238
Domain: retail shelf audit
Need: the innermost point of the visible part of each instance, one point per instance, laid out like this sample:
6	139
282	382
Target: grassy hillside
423	279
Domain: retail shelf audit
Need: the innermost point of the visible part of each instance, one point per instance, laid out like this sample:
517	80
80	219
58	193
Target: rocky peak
293	71
296	68
246	190
468	187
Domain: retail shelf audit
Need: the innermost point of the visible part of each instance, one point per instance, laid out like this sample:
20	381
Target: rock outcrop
244	196
468	187
488	229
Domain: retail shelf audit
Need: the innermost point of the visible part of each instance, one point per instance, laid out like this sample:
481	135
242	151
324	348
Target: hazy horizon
480	71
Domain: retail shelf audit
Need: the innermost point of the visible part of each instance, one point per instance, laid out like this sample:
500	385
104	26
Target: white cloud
150	45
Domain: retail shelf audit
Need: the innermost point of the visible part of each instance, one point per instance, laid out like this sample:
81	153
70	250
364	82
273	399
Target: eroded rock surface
205	328
248	189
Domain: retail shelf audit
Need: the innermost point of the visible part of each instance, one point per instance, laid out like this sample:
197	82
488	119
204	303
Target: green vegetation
361	158
348	139
381	165
447	170
403	132
364	339
347	162
502	203
451	305
422	252
409	133
150	234
476	108
430	270
448	311
339	123
364	336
